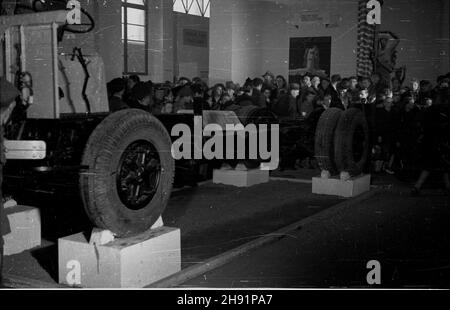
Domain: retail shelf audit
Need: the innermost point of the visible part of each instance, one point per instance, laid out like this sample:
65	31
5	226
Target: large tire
255	115
324	139
351	145
252	115
130	173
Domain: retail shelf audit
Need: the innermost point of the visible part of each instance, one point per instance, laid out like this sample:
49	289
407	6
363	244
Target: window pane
195	10
135	16
136	33
208	10
195	7
178	6
139	2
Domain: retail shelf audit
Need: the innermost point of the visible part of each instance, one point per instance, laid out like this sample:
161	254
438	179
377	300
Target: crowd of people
407	120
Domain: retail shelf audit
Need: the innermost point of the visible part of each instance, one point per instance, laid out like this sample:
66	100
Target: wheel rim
138	175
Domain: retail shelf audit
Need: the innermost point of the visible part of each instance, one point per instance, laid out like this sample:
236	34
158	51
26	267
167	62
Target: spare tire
324	139
252	115
130	172
255	115
351	145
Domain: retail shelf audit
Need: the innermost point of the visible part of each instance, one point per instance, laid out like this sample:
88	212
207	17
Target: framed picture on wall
309	55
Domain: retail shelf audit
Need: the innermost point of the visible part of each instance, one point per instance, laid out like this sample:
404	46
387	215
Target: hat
185	91
142	90
116	85
268	73
294	86
8	93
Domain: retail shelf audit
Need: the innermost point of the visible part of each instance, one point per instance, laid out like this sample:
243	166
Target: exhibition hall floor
329	243
212	219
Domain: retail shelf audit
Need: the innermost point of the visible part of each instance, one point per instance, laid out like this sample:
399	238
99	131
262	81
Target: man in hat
8	95
183	98
116	90
257	96
141	97
287	107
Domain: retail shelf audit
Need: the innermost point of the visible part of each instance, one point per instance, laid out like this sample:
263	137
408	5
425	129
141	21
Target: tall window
193	7
134	36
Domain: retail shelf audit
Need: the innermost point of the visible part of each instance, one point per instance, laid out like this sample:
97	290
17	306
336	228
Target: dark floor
410	237
212	219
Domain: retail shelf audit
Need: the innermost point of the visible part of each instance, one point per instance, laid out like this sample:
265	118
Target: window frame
125	5
200	4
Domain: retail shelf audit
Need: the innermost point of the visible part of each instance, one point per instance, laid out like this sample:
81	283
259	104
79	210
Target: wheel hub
138	175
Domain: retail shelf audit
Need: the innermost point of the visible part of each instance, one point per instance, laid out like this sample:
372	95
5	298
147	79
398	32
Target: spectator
286	107
183	81
268	80
197	80
345	98
141	97
230	89
116	89
396	89
306	82
435	150
377	84
315	86
353	91
132	81
425	92
198	103
167	108
414	89
386	133
324	84
281	83
257	97
216	97
308	105
334	92
245	98
183	99
267	92
281	88
442	92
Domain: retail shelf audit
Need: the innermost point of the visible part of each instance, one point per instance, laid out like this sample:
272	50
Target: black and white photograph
205	147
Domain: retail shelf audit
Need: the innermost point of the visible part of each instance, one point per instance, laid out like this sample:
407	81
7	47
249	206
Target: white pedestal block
241	178
335	187
25	223
124	263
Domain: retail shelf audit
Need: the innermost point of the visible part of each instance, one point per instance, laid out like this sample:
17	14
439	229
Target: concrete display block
335	187
240	178
124	263
25	223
